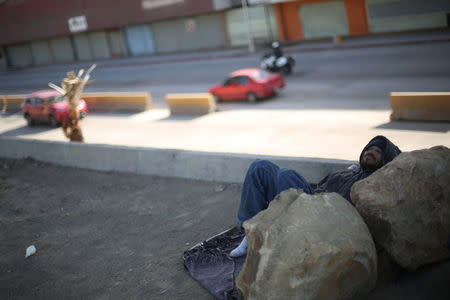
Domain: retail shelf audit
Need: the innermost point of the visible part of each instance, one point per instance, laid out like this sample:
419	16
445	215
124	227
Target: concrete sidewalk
219	146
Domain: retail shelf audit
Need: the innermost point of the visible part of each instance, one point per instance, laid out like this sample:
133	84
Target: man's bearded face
372	158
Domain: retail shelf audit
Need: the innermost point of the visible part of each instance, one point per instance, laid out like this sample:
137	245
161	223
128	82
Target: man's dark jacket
342	181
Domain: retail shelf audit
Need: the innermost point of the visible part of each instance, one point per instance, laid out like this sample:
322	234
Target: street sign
152	4
190	25
77	24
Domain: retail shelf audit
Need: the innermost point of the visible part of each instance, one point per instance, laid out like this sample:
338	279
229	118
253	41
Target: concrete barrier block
118	102
15	148
50	151
11	102
225	167
191	104
103	157
97	102
420	106
212	166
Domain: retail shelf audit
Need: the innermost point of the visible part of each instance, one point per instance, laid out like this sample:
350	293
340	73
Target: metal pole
251	45
268	25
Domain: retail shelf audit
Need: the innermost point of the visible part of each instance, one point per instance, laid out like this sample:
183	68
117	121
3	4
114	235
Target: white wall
403	15
323	19
62	50
200	32
40	52
263	25
20	55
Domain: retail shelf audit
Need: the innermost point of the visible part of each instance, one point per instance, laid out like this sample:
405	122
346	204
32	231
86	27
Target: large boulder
308	247
406	205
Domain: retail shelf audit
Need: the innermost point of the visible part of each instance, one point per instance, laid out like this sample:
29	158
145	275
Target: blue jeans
263	181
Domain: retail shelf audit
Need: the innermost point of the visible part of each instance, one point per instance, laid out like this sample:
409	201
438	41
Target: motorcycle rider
277	52
275	61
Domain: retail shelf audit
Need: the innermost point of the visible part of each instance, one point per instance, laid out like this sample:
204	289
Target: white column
251	45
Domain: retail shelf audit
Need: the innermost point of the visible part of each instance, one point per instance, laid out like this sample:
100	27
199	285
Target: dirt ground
104	235
110	235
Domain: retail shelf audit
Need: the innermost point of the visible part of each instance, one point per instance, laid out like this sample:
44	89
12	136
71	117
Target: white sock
241	249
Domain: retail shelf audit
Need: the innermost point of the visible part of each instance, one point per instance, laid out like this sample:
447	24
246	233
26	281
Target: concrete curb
224	167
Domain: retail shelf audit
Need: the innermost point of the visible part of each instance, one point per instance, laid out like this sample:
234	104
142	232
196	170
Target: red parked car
248	84
33	107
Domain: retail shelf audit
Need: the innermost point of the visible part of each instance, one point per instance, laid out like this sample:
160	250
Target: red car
33	107
248	84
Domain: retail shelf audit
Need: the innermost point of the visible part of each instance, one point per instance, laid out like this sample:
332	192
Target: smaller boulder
308	247
406	205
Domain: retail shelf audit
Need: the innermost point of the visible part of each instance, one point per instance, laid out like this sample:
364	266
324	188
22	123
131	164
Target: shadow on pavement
26	130
417	126
179	118
9	112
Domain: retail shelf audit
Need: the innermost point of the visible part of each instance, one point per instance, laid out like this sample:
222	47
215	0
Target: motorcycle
283	64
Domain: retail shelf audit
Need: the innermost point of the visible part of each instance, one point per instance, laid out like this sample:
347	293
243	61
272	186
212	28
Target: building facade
43	32
308	19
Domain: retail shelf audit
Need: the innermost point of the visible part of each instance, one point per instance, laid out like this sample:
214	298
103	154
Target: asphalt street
360	73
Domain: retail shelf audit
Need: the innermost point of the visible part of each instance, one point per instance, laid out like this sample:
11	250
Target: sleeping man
264	180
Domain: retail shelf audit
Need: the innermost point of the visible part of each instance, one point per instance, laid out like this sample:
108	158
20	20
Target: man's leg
263	181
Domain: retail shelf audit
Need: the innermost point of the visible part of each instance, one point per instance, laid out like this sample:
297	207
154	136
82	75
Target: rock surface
406	205
308	247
